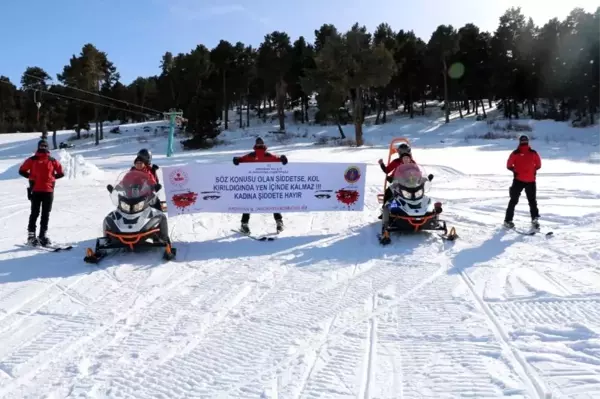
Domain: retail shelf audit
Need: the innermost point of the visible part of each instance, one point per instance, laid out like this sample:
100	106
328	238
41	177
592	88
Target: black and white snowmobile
136	222
409	209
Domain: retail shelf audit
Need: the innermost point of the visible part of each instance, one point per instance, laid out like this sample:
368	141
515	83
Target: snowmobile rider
404	157
146	156
42	170
524	162
139	164
260	154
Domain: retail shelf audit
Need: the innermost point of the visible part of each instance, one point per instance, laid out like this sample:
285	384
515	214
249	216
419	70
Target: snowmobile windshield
132	191
410	176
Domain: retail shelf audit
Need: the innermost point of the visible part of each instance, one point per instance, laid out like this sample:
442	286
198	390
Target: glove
380	162
110	188
236	160
155	167
283	159
430	177
157	187
390	179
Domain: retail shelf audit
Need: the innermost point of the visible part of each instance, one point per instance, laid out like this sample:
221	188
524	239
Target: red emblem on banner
184	200
347	197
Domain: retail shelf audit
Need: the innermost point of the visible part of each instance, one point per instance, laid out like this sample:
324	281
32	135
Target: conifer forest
542	72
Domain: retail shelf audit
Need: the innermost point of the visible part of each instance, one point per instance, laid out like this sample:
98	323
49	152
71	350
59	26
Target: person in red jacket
42	170
260	154
404	157
524	162
146	156
140	164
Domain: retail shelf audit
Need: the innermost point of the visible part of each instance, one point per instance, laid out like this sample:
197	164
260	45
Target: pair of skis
48	248
531	232
256	238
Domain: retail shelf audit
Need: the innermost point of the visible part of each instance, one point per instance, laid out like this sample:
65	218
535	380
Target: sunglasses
43	146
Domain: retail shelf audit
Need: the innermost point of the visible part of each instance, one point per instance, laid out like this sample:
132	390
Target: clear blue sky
135	33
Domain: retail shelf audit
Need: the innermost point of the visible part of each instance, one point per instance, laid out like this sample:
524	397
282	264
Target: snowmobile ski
256	238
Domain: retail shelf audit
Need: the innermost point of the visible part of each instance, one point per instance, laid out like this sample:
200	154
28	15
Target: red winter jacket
42	170
259	154
132	178
151	170
524	162
394	164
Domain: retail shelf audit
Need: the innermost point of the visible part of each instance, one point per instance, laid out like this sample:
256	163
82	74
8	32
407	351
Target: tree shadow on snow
488	250
334	250
360	246
235	246
12	172
35	264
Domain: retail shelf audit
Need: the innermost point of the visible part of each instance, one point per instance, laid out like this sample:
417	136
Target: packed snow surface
324	311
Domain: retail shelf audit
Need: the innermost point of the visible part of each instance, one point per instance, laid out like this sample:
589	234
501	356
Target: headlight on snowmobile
418	194
124	206
406	194
138	207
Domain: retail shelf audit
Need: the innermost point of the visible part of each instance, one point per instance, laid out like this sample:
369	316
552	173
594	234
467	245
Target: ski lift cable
97	94
81	100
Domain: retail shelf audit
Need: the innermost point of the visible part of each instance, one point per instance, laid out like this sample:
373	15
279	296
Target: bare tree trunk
225	104
446	102
247	107
97	135
241	111
378	112
358	117
54	139
305	100
280	90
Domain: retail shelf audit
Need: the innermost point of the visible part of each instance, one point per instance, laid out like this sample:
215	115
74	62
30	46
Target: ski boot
535	224
279	226
384	237
170	252
44	241
244	228
509	224
31	240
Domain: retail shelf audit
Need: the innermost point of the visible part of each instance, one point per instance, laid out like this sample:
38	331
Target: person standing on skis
524	162
260	154
42	171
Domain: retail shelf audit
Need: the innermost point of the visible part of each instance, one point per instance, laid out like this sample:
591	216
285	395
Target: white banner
264	187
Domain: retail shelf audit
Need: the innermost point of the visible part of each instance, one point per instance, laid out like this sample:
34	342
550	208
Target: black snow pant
246	217
515	192
387	196
44	201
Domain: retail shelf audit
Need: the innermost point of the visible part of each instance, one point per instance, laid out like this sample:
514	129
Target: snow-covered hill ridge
324	311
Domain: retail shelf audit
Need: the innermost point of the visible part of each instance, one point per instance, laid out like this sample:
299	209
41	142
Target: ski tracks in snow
155	313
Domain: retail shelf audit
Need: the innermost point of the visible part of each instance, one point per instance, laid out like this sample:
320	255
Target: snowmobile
135	223
410	209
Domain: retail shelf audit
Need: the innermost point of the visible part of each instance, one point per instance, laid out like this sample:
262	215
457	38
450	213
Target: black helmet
403	149
146	155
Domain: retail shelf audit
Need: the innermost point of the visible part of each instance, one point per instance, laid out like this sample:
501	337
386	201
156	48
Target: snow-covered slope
324	311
